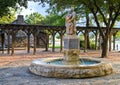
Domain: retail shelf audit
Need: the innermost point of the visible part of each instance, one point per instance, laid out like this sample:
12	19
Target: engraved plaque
71	43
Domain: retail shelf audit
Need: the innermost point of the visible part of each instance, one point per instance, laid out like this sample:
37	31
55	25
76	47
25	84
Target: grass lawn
56	46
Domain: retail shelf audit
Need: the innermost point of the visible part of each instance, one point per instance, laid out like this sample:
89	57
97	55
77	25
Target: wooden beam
28	43
35	40
8	48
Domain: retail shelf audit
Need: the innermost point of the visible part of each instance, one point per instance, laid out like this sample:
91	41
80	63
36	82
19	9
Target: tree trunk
104	47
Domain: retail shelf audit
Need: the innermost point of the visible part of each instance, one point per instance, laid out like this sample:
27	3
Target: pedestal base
71	50
71	57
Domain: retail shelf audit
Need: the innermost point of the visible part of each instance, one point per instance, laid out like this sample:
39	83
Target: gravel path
14	71
22	76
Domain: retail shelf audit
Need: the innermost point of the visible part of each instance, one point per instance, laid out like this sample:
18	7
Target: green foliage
6	19
5	5
82	45
92	45
54	19
34	18
82	37
56	46
106	11
58	36
118	35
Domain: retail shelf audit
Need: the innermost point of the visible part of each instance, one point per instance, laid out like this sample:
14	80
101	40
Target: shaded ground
14	70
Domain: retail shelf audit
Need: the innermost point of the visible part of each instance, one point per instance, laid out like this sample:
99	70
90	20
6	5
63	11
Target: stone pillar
71	50
71	41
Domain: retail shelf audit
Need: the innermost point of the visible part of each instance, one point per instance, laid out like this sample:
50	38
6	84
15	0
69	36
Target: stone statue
70	23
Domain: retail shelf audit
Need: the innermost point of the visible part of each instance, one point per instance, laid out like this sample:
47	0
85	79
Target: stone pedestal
71	50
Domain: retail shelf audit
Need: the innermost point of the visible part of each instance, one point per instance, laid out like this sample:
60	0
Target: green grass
56	46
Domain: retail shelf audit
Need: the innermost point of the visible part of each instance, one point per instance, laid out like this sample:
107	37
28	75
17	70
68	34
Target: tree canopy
54	20
6	5
6	19
107	11
34	18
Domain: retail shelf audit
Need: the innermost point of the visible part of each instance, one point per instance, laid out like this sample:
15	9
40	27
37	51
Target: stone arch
21	39
42	39
82	38
3	36
117	42
92	37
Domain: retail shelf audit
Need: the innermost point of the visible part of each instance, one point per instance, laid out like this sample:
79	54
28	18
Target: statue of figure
70	23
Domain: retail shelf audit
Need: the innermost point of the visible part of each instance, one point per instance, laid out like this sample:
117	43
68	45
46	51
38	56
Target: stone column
71	41
71	50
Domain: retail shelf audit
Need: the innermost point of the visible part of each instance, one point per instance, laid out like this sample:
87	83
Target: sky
33	7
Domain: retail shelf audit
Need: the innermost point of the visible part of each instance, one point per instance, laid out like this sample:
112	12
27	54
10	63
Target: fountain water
71	65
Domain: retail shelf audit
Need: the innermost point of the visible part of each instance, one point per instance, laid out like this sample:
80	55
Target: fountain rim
70	71
43	62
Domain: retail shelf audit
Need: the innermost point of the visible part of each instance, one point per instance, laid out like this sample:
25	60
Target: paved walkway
14	71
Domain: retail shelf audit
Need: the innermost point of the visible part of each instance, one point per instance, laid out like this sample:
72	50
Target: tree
34	18
54	20
6	19
6	5
108	10
118	35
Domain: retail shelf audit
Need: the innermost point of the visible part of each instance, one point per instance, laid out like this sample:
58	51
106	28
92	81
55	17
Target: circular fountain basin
53	67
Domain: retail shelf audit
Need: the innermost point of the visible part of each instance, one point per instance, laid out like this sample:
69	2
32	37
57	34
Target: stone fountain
71	65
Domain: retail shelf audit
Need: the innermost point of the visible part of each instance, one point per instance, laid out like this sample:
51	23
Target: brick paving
14	70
